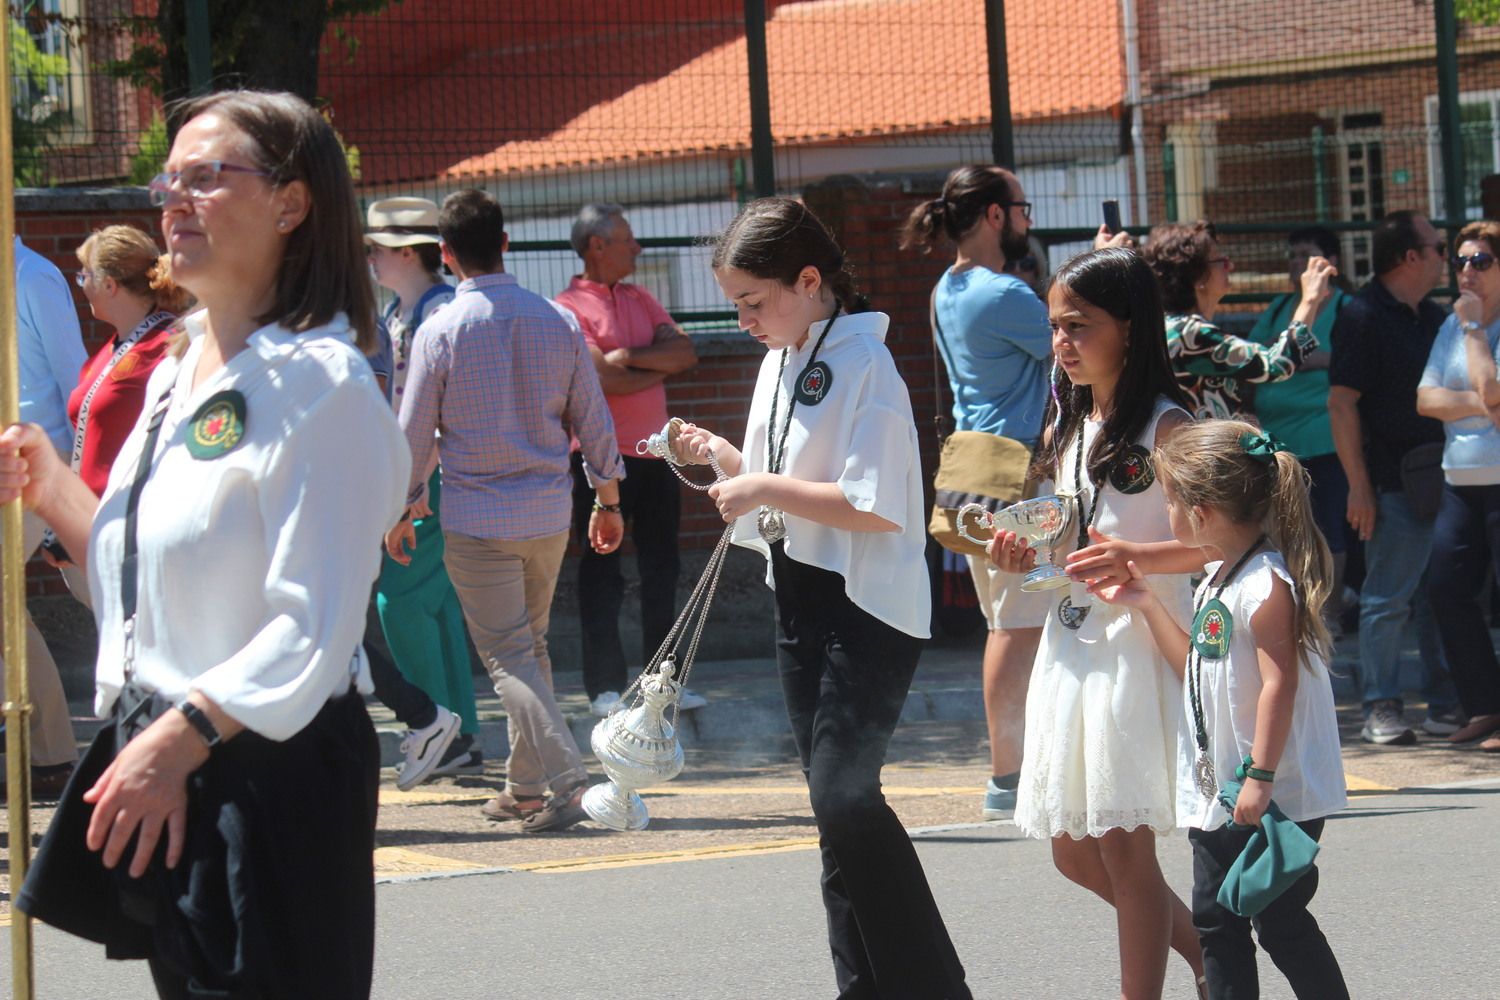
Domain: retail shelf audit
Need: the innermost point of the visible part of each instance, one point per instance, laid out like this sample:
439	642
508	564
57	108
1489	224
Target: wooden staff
17	709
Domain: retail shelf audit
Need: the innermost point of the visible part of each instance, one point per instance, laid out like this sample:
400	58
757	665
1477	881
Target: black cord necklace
1095	488
1212	627
1068	613
771	522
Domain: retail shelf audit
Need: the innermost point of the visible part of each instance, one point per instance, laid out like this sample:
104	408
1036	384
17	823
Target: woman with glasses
127	282
1459	387
222	824
1216	368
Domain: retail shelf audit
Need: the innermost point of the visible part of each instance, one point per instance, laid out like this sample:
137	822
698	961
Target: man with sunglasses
1389	453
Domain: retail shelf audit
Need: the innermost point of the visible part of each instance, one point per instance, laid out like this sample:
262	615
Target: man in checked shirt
499	372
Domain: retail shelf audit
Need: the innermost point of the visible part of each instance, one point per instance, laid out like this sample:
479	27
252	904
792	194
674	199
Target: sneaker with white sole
999	803
1385	726
690	700
424	749
604	704
1444	723
463	757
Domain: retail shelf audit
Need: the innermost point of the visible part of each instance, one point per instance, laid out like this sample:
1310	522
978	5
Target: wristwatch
1468	326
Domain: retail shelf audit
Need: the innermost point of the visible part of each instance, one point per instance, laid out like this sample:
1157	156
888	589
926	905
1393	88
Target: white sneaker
424	748
690	700
604	704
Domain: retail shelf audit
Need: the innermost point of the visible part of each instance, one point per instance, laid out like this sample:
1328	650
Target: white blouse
255	565
861	436
1310	775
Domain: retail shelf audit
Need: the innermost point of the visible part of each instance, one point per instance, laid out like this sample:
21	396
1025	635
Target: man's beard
1013	244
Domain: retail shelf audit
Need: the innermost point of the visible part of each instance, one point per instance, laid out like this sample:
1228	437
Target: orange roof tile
839	69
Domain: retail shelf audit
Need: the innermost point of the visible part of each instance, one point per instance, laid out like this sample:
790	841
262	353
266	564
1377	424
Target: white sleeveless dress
1103	705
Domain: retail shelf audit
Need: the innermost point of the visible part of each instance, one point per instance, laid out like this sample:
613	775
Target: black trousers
1466	550
1287	932
845	675
651	500
274	895
413	707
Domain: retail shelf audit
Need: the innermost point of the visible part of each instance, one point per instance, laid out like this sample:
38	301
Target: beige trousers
506	592
51	726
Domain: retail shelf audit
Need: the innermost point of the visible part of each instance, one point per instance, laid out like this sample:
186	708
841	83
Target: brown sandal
505	807
563	809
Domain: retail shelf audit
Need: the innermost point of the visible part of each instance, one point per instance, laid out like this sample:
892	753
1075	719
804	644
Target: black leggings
845	675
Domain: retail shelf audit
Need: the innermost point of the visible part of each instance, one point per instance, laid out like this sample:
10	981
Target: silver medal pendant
771	523
1204	777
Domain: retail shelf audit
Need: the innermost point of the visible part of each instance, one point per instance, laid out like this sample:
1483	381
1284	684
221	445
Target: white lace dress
1103	705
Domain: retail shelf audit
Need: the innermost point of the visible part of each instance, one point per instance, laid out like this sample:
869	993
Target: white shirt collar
846	325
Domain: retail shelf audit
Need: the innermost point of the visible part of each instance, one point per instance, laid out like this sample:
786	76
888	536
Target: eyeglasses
1223	262
1024	206
1480	262
1440	247
198	181
83	276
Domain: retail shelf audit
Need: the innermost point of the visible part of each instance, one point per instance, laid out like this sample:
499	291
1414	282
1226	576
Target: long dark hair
323	271
775	238
1119	282
967	195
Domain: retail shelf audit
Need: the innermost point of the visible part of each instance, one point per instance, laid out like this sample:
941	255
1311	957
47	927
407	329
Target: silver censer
1040	522
637	748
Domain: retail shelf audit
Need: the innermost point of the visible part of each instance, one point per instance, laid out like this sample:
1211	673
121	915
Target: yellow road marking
400	861
1364	786
5	919
666	857
396	797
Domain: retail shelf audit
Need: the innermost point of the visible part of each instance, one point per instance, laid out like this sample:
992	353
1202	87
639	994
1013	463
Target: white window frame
1435	193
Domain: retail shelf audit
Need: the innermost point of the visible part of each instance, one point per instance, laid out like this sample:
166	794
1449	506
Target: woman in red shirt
125	281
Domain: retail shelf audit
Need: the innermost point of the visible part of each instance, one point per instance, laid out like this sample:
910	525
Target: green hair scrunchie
1261	447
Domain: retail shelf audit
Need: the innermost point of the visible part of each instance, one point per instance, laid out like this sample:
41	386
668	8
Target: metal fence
1255	115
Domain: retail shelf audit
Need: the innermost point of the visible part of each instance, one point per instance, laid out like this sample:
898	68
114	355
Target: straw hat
402	222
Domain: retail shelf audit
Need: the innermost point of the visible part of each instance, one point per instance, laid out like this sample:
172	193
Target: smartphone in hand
1112	216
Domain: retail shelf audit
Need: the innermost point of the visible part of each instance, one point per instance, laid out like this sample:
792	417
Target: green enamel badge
219	425
1132	472
1212	628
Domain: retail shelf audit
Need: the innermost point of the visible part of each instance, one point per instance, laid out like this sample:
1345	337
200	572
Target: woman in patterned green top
1216	368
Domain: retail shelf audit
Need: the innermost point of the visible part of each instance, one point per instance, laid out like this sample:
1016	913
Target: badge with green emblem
1212	627
219	425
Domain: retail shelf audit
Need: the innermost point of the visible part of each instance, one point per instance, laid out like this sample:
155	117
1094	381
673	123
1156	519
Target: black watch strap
200	722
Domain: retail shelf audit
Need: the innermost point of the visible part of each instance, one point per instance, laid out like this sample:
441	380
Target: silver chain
660	444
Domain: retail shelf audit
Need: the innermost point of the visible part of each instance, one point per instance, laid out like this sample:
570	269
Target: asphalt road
1406	900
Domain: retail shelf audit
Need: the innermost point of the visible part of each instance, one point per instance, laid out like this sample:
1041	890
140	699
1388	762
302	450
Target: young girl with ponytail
1258	696
828	487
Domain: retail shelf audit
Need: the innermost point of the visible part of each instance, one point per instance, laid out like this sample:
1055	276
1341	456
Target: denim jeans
1395	570
1466	551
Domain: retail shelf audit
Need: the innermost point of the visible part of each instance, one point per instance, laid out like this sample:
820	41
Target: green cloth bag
1278	854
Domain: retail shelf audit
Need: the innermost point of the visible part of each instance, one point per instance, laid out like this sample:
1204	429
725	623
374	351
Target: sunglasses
82	277
1024	206
1480	262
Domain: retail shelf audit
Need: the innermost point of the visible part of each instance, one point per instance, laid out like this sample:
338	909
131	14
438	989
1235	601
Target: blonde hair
136	263
1206	465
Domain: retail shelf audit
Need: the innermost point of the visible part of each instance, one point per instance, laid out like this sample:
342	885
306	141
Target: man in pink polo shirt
635	346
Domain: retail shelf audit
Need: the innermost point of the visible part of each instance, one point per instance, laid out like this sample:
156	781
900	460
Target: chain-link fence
1257	118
